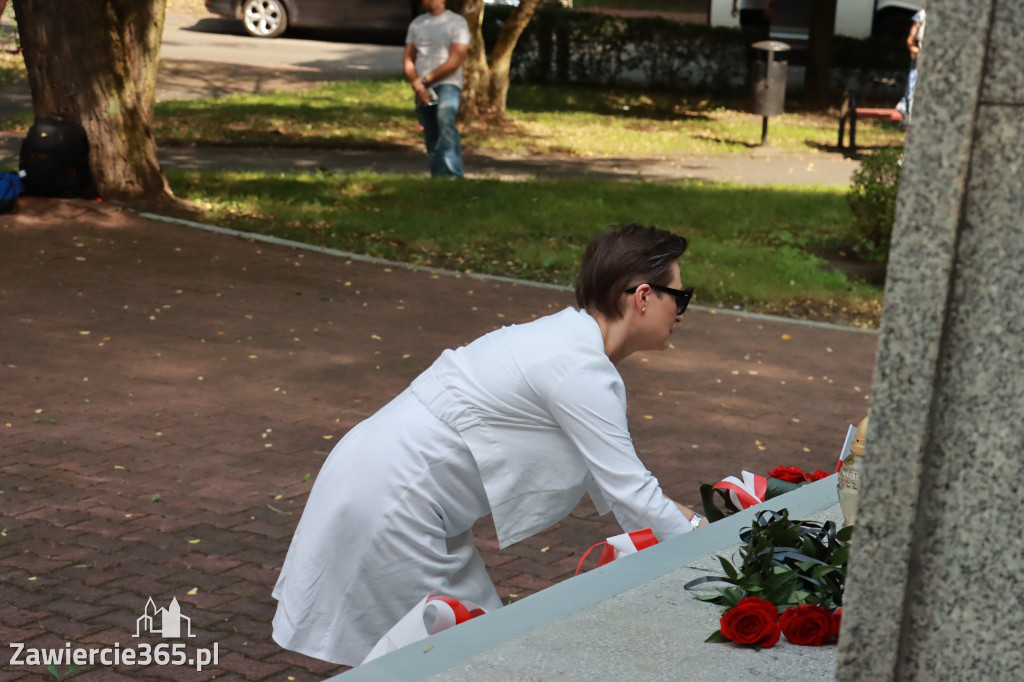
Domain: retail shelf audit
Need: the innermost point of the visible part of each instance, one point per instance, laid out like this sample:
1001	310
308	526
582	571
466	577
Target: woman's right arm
689	513
588	408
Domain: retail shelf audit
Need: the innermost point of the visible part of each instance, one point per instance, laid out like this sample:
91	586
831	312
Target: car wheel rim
263	17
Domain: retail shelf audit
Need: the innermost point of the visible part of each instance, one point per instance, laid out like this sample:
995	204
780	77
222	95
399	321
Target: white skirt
389	519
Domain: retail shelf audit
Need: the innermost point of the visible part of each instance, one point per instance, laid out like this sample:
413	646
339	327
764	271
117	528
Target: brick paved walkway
169	395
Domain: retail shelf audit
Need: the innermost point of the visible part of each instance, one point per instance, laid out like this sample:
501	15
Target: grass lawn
749	246
544	120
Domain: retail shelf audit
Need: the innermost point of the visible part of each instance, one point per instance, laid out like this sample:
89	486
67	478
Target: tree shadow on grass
853	154
727	141
651	104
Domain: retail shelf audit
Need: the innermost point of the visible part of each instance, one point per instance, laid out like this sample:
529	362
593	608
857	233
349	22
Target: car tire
264	18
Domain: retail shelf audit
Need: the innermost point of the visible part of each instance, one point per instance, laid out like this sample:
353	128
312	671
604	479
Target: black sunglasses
682	296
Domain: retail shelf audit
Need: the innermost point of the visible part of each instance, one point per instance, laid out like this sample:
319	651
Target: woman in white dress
518	424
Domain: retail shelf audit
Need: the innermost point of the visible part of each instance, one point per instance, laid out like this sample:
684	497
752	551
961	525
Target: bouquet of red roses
790	582
757	622
751	489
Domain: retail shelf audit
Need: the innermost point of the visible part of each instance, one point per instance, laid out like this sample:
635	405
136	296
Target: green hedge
591	48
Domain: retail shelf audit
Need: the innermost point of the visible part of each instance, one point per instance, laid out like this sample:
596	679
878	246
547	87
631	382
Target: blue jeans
444	148
906	103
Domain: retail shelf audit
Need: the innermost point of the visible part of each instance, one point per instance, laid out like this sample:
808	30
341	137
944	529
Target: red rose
808	625
817	475
837	617
752	621
788	474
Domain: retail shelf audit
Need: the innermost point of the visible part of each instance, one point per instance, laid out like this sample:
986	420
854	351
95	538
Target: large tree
486	77
95	62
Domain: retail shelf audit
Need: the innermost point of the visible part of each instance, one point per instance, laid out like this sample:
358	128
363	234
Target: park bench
849	111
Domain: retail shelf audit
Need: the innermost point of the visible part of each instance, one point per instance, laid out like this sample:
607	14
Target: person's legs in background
446	157
906	103
427	116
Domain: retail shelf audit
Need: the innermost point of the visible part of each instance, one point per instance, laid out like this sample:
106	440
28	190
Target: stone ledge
631	619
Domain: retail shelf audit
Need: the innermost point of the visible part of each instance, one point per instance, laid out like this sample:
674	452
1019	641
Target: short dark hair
620	257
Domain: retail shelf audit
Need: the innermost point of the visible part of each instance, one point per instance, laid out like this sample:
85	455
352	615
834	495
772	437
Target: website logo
164	622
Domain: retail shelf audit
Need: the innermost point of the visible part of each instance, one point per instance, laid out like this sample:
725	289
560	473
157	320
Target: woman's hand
688	513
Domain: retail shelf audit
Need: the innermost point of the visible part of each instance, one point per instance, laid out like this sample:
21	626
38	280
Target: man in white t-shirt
435	48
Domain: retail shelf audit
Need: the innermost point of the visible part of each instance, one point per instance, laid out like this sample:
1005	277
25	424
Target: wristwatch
426	83
697	518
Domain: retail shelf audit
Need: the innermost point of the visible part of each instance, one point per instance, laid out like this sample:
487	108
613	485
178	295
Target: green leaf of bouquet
844	534
727	566
727	500
777	487
731	596
707	499
717	638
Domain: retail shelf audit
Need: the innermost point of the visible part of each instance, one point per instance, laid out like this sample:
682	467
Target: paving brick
67	628
299	675
260	649
248	668
15	674
108	637
540	570
103	674
232	623
77	611
10	633
18	592
315	666
256	590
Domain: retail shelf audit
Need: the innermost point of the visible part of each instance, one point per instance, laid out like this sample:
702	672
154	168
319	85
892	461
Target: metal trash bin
768	81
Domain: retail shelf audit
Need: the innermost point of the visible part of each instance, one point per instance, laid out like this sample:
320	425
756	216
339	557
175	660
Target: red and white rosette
446	612
620	545
747	492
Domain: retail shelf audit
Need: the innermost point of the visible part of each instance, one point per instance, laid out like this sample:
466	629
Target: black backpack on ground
55	158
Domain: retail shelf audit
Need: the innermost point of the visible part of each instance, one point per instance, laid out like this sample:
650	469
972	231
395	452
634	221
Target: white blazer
543	411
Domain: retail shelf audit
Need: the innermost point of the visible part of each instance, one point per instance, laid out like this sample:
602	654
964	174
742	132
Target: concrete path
170	394
757	168
762	167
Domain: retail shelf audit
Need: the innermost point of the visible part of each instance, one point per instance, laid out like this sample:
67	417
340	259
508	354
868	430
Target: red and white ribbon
746	493
450	612
620	545
447	612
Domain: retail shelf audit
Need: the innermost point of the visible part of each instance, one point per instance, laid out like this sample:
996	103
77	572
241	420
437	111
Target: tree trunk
485	82
95	62
819	53
476	75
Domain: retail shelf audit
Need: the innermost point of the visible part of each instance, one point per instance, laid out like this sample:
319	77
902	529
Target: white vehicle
854	18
